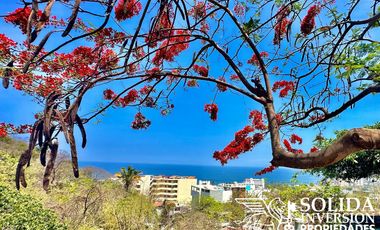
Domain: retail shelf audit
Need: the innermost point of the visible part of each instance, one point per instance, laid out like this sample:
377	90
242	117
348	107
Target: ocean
215	174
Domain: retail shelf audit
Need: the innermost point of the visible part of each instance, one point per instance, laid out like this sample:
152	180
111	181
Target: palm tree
129	176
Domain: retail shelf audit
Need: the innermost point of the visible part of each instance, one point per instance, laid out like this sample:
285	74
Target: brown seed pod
74	154
72	19
42	22
50	165
82	130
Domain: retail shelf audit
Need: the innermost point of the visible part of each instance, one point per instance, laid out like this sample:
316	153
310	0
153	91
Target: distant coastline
215	174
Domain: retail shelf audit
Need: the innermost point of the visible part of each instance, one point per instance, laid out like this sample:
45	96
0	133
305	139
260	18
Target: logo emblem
274	215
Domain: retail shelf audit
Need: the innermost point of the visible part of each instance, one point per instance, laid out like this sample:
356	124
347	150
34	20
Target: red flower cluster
282	24
285	87
254	59
138	52
257	120
131	97
172	47
212	109
109	94
266	170
162	29
288	147
222	88
314	149
140	122
127	9
192	83
279	118
239	9
203	71
234	77
82	62
241	144
316	117
199	10
308	22
109	37
23	80
48	85
154	73
295	138
146	90
6	129
19	18
6	44
3	131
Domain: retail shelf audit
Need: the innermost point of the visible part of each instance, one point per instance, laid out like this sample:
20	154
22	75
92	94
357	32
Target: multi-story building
250	186
205	188
167	188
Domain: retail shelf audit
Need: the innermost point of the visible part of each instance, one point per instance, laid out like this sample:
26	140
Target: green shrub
18	211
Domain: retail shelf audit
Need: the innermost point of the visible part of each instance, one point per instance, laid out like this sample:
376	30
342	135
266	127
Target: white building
205	188
250	186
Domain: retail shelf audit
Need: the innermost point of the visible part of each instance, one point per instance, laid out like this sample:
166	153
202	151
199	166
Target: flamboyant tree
303	62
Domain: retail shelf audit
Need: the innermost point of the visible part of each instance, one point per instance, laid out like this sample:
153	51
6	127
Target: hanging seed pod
50	166
72	19
37	51
82	130
74	154
42	22
7	74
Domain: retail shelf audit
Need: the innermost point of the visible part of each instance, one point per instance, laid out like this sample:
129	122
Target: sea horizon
215	174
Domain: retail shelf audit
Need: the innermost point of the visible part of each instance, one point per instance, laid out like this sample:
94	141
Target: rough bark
353	141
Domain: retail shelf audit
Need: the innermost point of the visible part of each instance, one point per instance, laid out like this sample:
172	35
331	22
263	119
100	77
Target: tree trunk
353	141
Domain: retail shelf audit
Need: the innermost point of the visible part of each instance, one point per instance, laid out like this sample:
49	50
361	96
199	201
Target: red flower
146	90
108	36
154	73
23	80
239	9
279	118
314	149
3	131
222	88
49	85
127	9
131	97
203	71
109	94
172	47
285	85
199	10
308	22
290	149
295	138
140	122
241	144
288	146
163	28
234	77
282	24
6	44
254	59
266	170
192	83
257	120
212	109
19	18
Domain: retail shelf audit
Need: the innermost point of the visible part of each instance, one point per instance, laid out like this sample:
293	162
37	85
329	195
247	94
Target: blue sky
186	136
